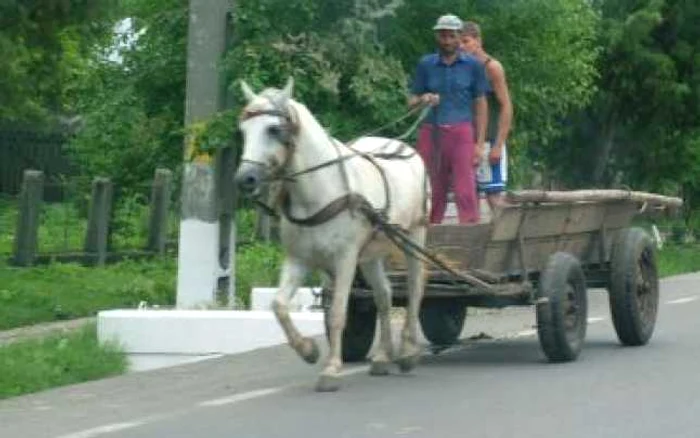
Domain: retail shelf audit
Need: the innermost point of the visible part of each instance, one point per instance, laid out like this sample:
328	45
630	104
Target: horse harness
351	201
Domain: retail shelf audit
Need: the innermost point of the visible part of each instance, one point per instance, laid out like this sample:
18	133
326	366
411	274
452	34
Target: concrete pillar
198	258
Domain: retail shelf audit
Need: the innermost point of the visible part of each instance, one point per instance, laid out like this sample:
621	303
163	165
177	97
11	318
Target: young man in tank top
492	174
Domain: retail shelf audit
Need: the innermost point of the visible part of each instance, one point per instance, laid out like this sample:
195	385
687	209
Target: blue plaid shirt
458	85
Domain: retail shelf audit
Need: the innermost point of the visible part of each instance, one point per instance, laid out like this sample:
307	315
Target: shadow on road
519	352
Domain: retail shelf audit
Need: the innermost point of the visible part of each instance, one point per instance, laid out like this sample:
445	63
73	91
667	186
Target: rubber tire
360	326
558	344
633	328
442	321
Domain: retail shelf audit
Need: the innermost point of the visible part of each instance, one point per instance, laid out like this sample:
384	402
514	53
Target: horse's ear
286	93
289	88
247	91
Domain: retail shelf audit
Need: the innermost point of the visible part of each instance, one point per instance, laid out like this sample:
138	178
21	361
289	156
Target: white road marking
354	370
101	430
524	334
241	397
683	300
408	430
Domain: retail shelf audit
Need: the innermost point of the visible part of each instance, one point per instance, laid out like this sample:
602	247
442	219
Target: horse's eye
274	131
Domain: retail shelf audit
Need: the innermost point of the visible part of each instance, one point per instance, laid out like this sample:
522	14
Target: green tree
133	109
642	128
44	46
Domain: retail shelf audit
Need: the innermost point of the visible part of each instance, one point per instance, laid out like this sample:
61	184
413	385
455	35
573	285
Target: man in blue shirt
454	83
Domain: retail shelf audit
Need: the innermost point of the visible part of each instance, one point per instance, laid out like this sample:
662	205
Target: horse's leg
373	271
345	268
410	351
293	273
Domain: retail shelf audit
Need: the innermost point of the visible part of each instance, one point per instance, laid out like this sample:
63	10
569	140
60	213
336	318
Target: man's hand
478	153
495	154
432	99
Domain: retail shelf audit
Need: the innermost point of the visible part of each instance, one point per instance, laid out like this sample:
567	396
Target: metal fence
26	148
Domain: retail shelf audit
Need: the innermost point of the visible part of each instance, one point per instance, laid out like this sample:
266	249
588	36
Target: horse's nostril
250	180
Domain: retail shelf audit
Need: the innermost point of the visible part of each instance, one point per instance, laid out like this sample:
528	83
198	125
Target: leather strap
351	202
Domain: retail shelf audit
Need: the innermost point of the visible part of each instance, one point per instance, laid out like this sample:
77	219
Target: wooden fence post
158	219
26	237
97	236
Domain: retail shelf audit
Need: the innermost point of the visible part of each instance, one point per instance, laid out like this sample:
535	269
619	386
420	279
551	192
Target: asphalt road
499	387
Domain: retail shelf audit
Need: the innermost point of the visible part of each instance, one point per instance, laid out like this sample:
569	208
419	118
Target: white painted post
198	250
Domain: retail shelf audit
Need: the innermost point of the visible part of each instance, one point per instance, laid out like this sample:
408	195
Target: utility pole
200	242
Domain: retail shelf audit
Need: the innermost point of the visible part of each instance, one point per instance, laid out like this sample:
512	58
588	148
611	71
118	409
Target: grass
68	291
678	259
62	226
62	291
257	265
57	360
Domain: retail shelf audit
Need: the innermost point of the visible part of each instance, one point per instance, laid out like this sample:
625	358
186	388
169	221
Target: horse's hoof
310	351
408	363
379	369
327	383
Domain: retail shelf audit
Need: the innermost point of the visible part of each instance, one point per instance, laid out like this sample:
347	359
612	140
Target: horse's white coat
339	245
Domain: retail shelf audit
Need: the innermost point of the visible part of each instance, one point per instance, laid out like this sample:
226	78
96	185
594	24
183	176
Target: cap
448	22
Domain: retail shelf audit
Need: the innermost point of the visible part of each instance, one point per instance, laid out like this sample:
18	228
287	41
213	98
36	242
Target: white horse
324	184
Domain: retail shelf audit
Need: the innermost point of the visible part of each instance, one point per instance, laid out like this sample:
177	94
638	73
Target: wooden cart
544	249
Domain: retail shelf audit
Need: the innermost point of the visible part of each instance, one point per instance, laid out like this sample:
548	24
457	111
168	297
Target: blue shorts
492	178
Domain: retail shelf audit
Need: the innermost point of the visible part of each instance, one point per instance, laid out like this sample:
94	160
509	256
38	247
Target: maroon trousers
450	159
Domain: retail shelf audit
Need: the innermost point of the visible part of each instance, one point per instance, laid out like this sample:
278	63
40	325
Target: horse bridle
349	201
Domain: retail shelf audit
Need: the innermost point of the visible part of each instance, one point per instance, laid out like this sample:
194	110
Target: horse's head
268	127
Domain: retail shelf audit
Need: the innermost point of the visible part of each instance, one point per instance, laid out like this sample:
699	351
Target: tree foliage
133	109
606	92
642	128
44	46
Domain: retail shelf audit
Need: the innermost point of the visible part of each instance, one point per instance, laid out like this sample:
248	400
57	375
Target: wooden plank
564	219
592	196
620	214
499	257
507	222
97	234
27	227
462	235
556	219
158	214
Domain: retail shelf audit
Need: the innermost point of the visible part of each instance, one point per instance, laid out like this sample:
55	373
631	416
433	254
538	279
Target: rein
356	202
349	201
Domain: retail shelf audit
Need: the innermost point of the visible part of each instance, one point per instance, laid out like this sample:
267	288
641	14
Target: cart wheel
442	321
562	308
634	287
360	325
